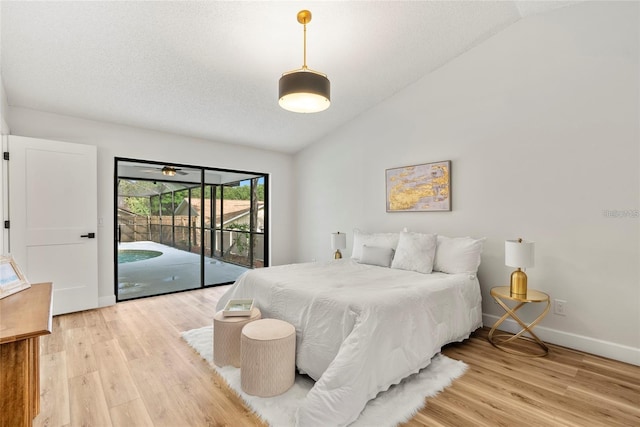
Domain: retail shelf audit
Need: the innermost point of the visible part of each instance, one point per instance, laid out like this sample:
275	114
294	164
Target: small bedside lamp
338	241
518	253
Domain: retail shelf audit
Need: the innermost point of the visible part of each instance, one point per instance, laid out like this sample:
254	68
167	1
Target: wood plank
548	382
118	386
132	413
532	404
88	405
72	321
97	326
468	411
163	408
54	391
53	343
131	346
601	406
79	352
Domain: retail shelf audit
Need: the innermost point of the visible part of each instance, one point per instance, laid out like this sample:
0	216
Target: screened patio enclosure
184	227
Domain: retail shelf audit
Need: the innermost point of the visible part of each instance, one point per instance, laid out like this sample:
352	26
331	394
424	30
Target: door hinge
6	224
5	155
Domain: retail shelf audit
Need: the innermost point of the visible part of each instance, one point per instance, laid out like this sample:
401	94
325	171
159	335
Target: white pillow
376	255
415	252
383	240
458	255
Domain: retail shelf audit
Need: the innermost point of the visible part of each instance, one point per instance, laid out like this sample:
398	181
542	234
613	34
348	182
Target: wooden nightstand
502	294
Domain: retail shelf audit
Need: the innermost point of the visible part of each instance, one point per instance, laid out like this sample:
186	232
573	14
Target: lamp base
338	254
518	284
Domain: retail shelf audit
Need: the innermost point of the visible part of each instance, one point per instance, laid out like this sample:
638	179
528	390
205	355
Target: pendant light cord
304	59
304	17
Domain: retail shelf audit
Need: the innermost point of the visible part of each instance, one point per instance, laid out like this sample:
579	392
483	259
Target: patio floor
174	270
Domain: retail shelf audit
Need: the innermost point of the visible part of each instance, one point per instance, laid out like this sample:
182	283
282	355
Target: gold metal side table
502	294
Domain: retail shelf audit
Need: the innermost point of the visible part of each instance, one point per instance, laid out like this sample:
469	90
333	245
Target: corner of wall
106	301
4	131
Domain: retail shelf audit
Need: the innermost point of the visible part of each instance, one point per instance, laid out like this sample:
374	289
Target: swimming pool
133	255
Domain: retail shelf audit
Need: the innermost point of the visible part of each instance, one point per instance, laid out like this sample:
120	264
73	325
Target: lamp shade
519	253
304	91
338	241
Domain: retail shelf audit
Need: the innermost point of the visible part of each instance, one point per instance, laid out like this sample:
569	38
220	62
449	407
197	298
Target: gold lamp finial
304	17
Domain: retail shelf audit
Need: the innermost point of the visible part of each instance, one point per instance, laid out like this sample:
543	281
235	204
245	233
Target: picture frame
12	279
424	187
238	307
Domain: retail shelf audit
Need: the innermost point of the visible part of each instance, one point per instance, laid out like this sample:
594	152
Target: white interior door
53	212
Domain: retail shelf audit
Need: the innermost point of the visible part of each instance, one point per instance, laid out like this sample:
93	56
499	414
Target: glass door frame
252	176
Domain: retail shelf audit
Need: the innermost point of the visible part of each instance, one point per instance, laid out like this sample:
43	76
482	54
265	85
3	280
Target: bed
361	327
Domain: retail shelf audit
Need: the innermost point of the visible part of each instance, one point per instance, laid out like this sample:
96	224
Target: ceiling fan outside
167	171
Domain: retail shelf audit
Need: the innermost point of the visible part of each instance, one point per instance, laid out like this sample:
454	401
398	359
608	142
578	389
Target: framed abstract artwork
419	188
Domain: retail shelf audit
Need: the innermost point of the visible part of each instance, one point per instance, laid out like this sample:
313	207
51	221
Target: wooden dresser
24	317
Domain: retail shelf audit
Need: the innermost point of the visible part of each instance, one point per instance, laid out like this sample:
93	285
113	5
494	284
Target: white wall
4	131
122	141
541	124
3	97
4	127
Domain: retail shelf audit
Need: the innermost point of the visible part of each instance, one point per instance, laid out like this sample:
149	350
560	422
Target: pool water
133	255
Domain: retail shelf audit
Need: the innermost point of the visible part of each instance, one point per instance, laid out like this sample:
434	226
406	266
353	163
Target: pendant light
304	90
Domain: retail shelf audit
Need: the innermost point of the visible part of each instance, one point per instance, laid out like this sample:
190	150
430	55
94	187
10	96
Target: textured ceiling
211	69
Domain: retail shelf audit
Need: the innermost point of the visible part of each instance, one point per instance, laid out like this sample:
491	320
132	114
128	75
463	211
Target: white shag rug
390	408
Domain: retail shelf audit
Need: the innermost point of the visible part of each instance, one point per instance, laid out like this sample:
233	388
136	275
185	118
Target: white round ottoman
226	337
268	354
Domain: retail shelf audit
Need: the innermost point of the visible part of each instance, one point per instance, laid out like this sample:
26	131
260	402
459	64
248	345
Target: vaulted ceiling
210	69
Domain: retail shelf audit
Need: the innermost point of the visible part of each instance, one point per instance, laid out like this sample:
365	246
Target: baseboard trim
106	301
595	346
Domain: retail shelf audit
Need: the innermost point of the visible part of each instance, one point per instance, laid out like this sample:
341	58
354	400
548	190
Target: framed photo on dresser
12	279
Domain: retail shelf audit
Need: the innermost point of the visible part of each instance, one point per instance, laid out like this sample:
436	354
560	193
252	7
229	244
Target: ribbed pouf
268	354
226	337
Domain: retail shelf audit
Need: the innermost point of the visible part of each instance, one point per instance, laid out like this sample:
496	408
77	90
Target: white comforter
360	328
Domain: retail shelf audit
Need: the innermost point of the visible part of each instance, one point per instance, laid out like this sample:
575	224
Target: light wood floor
126	365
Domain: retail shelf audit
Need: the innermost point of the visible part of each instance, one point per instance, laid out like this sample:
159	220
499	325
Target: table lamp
518	253
338	241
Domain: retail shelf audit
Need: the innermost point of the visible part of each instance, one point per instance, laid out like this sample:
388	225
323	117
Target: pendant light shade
304	90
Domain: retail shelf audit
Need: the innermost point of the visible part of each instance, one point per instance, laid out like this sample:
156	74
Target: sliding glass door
236	237
184	227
